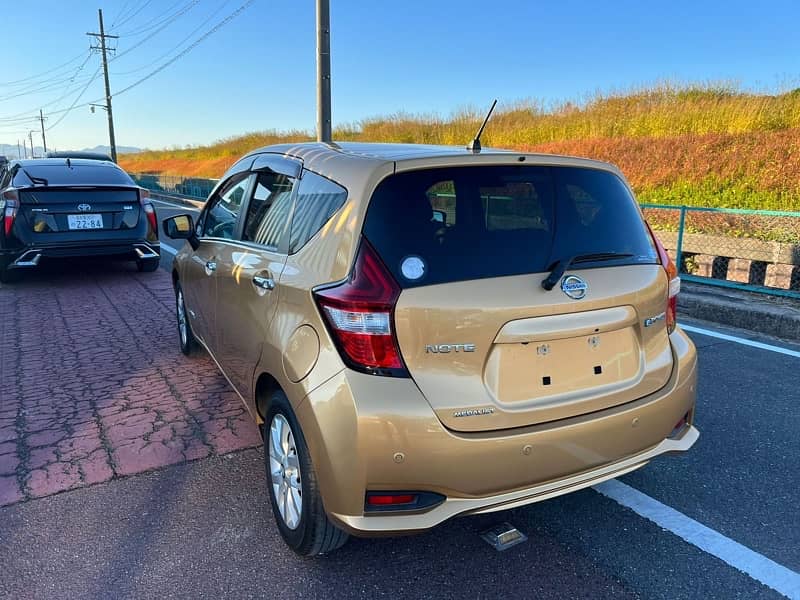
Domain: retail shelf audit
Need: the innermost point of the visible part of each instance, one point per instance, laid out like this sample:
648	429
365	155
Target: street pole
30	137
102	36
24	148
41	120
324	133
19	153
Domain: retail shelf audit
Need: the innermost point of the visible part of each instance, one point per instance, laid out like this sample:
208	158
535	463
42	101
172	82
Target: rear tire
307	531
148	265
189	344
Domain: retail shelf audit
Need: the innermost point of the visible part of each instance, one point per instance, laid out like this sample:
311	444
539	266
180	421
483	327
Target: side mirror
181	227
440	216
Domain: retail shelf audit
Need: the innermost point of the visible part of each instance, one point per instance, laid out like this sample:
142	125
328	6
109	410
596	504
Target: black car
58	207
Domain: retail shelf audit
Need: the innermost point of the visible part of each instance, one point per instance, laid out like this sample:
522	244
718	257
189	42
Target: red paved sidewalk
93	384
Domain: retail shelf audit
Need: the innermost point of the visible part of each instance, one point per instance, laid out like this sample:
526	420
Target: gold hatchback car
425	332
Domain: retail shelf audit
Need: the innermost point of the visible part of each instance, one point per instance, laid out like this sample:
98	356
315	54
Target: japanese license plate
85	221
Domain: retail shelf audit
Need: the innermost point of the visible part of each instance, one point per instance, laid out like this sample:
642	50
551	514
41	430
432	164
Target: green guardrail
197	188
753	250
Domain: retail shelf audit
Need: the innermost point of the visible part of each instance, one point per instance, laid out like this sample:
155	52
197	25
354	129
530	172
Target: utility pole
102	36
41	120
324	133
19	152
24	148
30	137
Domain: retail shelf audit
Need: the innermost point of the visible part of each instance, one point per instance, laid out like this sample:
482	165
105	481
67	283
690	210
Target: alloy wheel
284	468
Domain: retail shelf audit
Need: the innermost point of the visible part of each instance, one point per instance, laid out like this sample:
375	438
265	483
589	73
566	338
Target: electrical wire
74	102
43	86
166	24
189	48
156	20
140	9
38	75
120	14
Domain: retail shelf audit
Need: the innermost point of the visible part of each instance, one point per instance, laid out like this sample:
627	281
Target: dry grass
704	144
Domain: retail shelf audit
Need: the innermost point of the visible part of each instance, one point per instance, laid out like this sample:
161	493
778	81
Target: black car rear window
455	224
76	174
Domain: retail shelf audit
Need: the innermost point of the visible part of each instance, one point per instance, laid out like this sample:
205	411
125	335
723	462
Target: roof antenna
475	145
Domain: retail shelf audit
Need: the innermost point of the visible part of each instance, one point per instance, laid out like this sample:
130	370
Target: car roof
383	152
352	162
78	154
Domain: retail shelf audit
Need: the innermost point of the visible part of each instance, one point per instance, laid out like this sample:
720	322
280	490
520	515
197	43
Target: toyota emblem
84	207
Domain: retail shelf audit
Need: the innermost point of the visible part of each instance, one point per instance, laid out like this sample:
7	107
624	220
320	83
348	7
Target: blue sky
257	71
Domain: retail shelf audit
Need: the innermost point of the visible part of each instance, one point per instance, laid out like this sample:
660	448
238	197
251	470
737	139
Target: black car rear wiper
34	180
562	265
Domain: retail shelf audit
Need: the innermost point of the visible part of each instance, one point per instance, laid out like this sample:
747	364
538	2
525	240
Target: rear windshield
98	174
461	223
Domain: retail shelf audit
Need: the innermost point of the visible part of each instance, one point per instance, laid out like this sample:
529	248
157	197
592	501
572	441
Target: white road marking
757	566
738	340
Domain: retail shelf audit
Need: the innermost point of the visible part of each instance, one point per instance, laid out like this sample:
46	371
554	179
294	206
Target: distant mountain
10	150
120	149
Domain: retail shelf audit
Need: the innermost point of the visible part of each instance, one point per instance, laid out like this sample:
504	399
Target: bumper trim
29	258
451	507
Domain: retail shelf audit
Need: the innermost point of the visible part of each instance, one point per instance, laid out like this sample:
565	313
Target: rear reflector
383	500
401	501
359	315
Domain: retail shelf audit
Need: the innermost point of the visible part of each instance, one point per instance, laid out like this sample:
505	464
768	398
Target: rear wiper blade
565	263
35	180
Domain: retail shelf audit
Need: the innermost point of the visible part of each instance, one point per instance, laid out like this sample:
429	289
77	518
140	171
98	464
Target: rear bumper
32	255
375	433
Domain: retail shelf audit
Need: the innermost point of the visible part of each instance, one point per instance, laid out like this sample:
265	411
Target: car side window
268	211
221	216
317	200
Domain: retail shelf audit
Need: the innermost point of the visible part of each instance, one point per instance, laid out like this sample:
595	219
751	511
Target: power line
166	24
140	9
120	14
156	20
44	86
65	112
186	50
37	76
176	46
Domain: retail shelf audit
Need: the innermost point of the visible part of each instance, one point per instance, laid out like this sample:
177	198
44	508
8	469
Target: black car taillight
674	282
9	205
149	210
360	316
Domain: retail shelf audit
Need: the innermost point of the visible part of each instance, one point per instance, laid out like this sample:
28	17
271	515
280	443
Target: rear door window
268	210
466	223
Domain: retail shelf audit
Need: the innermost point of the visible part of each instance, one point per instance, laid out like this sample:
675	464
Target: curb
777	317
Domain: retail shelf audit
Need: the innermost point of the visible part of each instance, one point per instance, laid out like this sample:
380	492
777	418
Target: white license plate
85	221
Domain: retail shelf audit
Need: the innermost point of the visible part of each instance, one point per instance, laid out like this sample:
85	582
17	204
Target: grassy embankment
700	145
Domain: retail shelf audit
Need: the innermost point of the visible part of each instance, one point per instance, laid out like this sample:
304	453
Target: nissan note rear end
460	333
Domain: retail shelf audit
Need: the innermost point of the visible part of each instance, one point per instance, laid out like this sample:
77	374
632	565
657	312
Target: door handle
263	284
211	266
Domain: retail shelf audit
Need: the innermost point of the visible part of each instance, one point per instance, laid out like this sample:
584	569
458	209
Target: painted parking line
739	340
757	566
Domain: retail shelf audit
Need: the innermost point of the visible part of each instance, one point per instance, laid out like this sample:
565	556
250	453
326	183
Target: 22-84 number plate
85	221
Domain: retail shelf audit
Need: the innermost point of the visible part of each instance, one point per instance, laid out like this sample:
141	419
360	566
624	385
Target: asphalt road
203	529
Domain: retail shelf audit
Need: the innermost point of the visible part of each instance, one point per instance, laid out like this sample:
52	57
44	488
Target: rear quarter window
467	223
317	200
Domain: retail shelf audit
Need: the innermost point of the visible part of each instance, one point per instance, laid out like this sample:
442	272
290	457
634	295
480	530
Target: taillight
149	211
359	314
674	282
9	205
401	501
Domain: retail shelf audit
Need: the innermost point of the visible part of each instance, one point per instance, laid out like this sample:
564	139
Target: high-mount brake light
9	205
674	282
359	315
149	210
